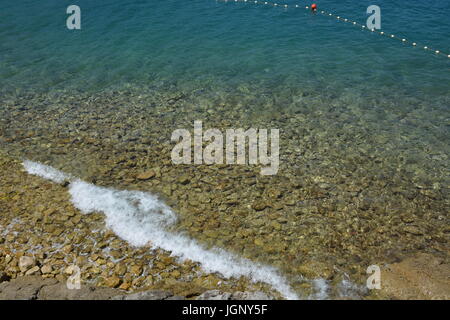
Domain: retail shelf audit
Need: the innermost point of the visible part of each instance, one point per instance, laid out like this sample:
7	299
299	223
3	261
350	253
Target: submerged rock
146	175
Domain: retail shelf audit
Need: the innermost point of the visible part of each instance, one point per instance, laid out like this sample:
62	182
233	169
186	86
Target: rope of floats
313	7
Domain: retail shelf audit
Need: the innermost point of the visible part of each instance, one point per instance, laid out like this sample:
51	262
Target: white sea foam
349	289
140	218
44	171
321	286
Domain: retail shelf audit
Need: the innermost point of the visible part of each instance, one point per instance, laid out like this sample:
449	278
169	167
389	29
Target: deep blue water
223	43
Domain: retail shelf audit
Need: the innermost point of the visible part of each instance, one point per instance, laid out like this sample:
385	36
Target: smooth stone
214	295
26	263
146	175
246	295
145	295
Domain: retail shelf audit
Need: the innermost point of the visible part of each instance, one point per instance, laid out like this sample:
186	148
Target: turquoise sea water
222	43
364	119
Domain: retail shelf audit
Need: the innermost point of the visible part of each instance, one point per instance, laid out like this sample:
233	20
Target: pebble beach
327	223
88	181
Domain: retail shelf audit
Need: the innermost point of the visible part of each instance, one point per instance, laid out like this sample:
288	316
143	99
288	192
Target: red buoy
313	7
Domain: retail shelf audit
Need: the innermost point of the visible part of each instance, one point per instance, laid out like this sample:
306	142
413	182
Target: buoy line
340	18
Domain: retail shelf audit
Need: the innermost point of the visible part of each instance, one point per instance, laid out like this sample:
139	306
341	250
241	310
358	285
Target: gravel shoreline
35	268
352	189
43	234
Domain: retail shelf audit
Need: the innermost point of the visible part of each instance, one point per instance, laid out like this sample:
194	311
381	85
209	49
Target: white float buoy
341	18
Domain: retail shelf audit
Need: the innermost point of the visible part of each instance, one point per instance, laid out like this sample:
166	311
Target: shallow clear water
364	118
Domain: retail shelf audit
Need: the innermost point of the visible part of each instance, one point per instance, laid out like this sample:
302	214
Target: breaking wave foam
44	171
141	218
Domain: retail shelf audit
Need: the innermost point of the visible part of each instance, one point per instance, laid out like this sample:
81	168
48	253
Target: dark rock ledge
38	288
